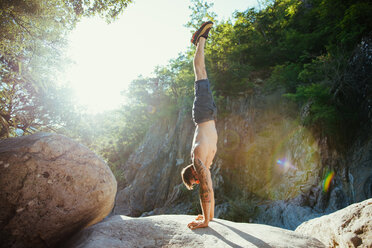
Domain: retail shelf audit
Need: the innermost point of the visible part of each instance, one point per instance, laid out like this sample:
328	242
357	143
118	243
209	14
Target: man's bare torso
204	144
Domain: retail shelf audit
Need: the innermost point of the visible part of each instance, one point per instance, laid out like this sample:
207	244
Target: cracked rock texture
171	231
51	187
349	227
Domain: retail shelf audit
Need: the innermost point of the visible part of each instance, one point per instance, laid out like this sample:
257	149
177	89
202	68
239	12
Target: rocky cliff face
268	168
265	157
152	173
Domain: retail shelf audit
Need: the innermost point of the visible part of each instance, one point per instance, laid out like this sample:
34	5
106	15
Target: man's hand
197	224
200	217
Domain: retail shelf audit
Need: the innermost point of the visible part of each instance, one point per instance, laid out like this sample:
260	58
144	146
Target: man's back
205	142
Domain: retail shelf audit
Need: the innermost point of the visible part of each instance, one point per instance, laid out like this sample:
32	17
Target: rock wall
152	173
267	164
264	156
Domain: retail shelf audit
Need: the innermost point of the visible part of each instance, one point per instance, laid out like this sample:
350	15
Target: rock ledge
171	231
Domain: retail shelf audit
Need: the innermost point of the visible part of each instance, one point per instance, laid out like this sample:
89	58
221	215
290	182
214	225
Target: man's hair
187	175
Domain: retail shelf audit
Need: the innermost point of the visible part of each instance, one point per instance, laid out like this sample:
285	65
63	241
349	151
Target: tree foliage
304	47
32	39
313	49
307	47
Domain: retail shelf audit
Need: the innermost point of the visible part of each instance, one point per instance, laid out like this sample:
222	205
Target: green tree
200	12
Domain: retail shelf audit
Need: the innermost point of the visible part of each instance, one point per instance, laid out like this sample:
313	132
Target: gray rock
349	227
284	214
153	172
51	187
360	169
171	231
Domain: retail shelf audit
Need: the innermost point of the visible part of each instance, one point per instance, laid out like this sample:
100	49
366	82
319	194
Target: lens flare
285	164
328	180
278	157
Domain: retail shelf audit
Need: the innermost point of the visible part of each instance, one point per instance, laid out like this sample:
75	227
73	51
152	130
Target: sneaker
202	32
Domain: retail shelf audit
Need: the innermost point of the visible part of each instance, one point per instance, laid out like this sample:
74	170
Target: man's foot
202	32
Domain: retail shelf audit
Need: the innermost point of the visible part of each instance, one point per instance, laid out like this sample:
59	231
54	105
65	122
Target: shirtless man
204	145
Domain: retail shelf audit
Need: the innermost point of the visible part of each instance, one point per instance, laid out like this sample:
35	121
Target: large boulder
51	187
349	227
171	231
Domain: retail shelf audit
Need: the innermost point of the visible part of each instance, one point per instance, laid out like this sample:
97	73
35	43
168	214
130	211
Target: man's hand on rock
200	217
197	224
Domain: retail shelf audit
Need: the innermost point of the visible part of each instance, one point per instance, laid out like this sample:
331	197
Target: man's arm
205	193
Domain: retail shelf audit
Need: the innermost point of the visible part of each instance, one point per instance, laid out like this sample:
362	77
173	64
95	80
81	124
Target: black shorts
204	108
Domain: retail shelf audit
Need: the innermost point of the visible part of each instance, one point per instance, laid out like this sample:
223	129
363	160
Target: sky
107	57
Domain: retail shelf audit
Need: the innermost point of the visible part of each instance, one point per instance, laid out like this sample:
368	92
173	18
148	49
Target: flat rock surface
171	231
348	227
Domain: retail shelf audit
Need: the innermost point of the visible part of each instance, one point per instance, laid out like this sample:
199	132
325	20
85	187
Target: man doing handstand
204	145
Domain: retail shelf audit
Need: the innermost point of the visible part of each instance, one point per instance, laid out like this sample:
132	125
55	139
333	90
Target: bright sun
107	57
104	64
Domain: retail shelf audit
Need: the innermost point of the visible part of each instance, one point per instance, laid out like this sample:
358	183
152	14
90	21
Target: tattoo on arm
205	188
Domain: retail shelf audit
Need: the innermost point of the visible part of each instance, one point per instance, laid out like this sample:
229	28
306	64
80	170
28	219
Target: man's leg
204	109
199	64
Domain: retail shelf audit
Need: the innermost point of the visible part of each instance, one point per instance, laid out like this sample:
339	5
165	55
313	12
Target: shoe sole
205	26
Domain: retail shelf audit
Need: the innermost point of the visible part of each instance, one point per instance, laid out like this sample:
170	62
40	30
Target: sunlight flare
328	180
